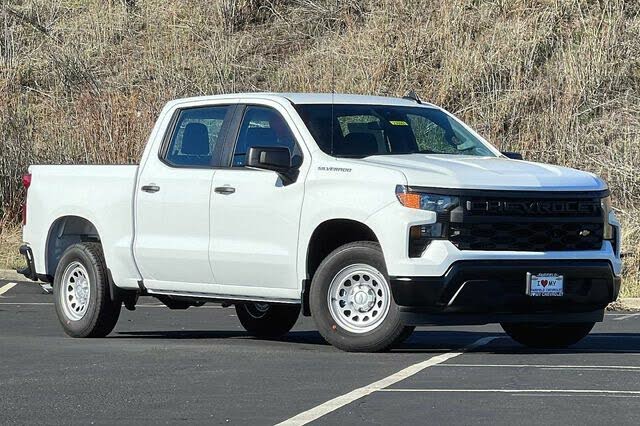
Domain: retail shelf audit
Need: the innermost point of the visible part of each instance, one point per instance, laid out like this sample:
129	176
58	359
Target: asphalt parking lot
198	366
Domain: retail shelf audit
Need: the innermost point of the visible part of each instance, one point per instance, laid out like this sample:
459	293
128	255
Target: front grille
517	221
527	236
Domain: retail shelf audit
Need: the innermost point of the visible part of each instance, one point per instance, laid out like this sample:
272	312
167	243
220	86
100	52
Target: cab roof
313	98
342	98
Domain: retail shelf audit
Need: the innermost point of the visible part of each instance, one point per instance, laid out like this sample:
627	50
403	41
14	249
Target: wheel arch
63	233
331	234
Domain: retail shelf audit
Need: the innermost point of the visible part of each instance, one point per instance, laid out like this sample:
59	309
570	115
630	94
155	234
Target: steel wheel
359	298
76	291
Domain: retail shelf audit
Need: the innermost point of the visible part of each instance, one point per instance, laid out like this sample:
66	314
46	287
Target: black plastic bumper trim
412	317
497	289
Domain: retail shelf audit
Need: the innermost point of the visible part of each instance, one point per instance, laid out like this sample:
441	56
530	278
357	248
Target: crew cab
371	214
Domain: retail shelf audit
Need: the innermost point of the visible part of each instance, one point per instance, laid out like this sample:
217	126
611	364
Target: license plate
545	284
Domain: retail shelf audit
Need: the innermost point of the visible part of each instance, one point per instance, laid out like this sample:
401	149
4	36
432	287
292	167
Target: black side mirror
276	158
512	155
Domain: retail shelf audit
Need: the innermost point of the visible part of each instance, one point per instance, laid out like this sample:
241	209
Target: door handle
225	190
151	188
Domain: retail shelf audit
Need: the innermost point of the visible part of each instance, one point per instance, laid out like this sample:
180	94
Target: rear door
172	204
255	216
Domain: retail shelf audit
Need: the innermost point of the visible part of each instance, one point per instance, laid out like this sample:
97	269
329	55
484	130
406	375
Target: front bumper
482	292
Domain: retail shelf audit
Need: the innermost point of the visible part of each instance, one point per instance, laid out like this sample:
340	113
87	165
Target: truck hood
471	172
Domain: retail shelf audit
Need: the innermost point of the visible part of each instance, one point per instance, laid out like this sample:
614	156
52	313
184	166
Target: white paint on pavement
5	288
549	367
340	401
624	317
526	391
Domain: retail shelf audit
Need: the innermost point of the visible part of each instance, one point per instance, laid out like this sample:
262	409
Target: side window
195	136
262	126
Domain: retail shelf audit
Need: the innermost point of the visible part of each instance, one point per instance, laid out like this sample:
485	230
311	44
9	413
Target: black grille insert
527	236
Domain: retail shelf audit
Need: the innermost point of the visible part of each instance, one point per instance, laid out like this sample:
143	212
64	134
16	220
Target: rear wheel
351	301
267	320
82	296
547	336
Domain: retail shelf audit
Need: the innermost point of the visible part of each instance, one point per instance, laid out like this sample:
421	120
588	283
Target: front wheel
351	301
267	320
547	336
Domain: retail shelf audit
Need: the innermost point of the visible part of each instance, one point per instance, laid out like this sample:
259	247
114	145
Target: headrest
195	140
359	143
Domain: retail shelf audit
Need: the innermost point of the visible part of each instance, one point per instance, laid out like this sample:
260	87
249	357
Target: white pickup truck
371	214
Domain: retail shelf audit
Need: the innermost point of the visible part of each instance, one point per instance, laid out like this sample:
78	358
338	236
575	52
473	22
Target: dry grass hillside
81	81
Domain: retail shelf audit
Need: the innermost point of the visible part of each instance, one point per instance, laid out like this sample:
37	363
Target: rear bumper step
28	271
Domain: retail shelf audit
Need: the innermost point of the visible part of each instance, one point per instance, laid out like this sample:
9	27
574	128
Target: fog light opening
420	236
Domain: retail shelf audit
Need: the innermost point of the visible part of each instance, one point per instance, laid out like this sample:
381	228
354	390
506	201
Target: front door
255	216
172	203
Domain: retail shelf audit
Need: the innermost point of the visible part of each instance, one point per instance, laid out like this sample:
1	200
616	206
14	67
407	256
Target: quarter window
195	136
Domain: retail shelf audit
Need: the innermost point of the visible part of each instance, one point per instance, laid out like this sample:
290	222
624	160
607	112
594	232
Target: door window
195	137
264	127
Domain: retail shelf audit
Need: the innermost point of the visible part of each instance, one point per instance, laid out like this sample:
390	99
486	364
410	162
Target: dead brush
81	82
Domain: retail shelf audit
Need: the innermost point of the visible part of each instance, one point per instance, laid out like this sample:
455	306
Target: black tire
547	336
101	313
406	333
267	321
385	334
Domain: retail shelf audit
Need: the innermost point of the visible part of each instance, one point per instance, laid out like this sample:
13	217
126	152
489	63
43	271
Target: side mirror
513	155
275	158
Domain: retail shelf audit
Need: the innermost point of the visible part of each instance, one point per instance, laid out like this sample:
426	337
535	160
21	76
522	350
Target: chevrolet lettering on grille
543	207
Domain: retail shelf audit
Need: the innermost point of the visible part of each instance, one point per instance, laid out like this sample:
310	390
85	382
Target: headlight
424	201
609	231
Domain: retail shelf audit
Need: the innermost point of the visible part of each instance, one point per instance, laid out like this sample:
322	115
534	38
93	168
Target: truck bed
101	194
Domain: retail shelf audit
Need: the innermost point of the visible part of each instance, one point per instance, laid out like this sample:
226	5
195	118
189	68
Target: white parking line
624	317
340	401
549	367
5	288
517	391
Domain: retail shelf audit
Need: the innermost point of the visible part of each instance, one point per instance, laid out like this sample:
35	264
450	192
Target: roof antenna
333	89
412	96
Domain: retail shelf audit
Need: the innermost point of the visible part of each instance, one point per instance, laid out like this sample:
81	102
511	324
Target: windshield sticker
398	123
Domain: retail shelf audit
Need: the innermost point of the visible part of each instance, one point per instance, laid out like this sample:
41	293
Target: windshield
364	130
